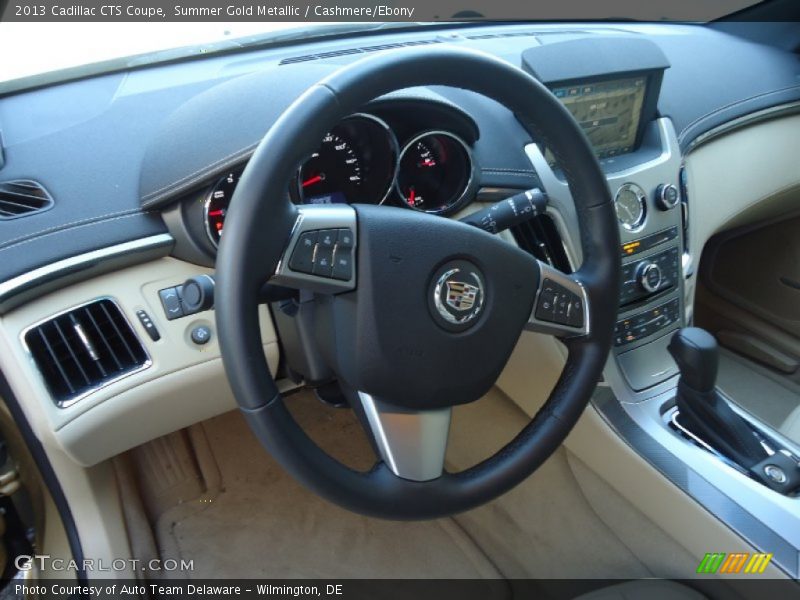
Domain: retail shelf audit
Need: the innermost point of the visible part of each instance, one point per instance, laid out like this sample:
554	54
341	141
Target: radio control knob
667	196
649	276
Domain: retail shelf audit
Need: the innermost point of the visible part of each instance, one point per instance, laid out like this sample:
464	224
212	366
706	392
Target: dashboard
140	192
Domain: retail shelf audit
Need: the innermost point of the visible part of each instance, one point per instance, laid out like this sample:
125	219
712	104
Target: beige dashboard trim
760	116
184	384
49	273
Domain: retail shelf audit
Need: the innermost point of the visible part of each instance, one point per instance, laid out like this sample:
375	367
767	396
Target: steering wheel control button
201	335
302	259
148	325
342	263
327	239
344	239
559	305
458	295
323	260
171	301
667	196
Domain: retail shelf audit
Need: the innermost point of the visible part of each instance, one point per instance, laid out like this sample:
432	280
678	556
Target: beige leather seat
648	589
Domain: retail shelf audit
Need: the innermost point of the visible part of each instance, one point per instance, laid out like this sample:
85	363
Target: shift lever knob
696	352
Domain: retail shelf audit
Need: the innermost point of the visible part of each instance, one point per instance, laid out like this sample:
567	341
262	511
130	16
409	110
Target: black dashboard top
114	150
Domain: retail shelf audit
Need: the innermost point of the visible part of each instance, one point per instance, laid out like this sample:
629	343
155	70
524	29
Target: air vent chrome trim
23	198
72	400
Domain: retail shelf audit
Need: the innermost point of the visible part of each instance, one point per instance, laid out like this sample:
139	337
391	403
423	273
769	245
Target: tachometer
217	203
435	172
355	162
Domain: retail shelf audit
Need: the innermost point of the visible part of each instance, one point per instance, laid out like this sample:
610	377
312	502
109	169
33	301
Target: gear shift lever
696	352
704	412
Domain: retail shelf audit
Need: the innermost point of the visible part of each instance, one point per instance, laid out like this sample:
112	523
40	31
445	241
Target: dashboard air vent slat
346	51
22	197
539	237
84	349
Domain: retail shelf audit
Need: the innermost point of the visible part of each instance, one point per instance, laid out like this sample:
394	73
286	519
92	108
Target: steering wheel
415	313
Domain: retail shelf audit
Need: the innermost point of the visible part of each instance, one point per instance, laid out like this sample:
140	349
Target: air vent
512	34
22	197
361	50
84	349
539	237
494	36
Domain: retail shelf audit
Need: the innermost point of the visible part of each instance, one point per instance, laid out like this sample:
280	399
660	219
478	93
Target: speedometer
355	163
333	173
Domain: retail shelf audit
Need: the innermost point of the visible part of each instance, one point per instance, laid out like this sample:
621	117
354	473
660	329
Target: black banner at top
364	10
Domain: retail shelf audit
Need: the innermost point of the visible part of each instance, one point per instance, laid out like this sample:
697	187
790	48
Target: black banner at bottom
414	589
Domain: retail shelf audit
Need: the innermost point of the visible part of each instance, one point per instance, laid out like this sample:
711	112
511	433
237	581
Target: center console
640	396
611	87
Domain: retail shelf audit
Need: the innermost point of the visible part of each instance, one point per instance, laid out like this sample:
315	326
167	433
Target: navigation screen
608	111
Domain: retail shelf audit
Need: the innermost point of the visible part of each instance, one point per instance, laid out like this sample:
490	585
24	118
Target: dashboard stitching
78	224
193	177
40	233
731	105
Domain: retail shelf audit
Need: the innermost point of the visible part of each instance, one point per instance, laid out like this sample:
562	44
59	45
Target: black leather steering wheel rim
247	258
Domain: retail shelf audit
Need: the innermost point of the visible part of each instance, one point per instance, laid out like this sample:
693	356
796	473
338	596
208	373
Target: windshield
77	49
107	41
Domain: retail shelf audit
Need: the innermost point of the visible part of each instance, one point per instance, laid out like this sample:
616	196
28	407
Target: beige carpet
262	524
265	525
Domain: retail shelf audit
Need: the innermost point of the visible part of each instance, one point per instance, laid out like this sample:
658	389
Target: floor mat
265	525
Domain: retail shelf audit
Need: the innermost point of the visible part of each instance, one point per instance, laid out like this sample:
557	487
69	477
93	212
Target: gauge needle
216	213
428	163
412	194
312	180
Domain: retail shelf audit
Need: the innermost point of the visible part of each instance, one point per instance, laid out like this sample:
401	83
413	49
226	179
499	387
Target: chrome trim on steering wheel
562	323
321	218
411	443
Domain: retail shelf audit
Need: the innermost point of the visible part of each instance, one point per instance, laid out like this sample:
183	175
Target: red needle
215	213
411	197
312	180
428	163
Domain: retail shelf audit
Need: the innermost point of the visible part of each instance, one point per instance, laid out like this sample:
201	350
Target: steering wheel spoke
561	307
321	253
412	443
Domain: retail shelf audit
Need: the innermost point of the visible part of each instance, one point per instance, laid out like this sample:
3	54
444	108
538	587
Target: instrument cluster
362	161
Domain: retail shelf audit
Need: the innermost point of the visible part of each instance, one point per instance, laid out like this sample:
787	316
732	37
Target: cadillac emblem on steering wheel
458	295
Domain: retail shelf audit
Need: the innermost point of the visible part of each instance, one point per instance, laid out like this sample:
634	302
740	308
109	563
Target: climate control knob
667	196
649	276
